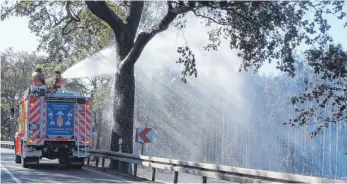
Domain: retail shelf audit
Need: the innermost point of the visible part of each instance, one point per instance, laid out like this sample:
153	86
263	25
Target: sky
14	32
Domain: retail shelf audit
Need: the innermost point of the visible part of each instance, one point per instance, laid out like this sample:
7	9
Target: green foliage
16	70
189	62
101	91
327	89
65	35
247	27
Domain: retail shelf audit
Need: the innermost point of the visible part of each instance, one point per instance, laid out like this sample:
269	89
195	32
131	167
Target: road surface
49	171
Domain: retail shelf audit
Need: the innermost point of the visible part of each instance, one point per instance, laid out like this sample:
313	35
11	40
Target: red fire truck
54	126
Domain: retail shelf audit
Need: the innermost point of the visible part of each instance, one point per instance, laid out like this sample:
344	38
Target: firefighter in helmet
38	76
58	83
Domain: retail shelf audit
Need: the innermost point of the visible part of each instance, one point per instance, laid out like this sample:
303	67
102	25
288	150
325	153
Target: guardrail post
88	159
153	174
103	162
135	170
204	179
120	166
97	162
176	177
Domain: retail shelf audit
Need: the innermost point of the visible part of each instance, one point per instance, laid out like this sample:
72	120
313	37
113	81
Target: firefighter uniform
58	83
38	76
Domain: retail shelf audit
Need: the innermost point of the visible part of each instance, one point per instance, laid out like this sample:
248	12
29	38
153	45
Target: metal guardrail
233	174
7	144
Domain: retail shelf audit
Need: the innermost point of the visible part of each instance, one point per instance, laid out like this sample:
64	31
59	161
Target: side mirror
42	92
12	111
92	93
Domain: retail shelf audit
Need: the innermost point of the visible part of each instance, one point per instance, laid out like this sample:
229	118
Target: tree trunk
97	141
123	115
13	128
97	145
99	127
98	122
124	90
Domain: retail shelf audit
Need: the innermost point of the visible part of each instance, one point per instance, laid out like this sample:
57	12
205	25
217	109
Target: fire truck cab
54	126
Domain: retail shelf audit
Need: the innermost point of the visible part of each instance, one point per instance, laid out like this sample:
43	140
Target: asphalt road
49	171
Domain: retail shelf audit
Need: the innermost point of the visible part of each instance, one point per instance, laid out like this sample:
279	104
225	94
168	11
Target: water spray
102	63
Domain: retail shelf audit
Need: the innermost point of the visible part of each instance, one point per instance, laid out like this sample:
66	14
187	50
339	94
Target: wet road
49	171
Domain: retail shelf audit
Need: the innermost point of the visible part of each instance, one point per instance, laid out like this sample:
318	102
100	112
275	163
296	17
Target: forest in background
201	121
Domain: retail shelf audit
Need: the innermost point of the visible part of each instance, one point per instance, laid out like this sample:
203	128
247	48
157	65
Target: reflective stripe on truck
35	117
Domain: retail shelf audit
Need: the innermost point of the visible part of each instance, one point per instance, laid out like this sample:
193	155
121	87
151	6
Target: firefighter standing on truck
38	76
58	83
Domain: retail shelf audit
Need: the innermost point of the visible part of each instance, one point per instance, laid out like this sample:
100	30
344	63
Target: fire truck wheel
79	166
62	161
37	159
24	160
18	159
75	165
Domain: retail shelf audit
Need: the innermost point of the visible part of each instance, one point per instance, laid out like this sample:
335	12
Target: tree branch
68	11
67	24
102	11
69	15
72	18
210	18
227	6
57	23
133	20
64	32
145	37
